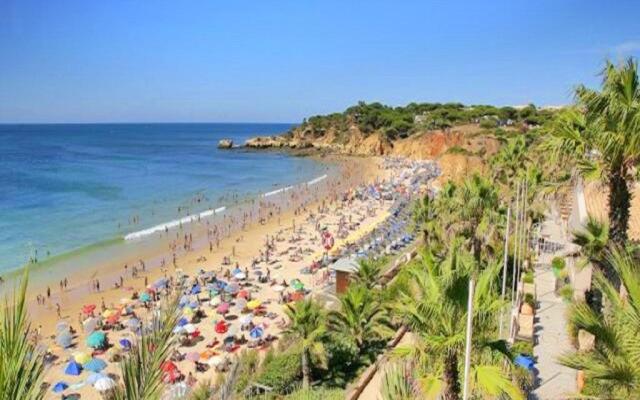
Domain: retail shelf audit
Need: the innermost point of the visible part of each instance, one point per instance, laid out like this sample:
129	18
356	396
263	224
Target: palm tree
369	272
142	368
592	239
21	364
604	137
476	213
361	317
614	363
434	306
307	325
508	162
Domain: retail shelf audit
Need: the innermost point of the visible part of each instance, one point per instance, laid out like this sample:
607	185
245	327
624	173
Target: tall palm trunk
306	371
619	205
451	381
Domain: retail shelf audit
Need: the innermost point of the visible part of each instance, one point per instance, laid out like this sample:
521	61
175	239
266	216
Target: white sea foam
317	180
208	213
172	224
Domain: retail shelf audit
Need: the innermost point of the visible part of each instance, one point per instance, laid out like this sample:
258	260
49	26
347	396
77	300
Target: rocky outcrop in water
225	144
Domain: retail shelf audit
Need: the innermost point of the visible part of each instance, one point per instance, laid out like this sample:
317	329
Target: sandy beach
290	254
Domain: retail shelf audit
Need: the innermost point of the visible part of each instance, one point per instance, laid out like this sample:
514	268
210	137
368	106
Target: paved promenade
553	380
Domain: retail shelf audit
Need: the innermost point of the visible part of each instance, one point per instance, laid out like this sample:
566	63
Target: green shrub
558	263
317	394
530	300
281	371
528	277
247	367
488	123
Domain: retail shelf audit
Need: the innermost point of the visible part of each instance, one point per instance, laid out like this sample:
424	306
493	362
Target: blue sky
141	61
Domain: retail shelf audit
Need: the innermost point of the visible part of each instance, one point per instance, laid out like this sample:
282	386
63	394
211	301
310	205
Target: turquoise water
64	187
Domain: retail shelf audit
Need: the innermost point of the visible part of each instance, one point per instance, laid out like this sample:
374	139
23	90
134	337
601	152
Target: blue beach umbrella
183	321
94	377
60	387
95	365
256	333
236	271
64	339
73	368
133	323
125	343
196	289
162	282
145	297
97	339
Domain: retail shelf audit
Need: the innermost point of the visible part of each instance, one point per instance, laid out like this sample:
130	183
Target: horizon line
147	123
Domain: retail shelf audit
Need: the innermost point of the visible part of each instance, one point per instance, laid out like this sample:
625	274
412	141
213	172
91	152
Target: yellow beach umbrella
82	357
188	311
108	313
253	304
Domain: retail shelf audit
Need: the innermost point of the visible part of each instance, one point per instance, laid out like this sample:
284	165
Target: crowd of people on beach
228	306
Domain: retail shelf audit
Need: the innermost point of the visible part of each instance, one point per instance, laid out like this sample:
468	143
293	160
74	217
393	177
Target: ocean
68	187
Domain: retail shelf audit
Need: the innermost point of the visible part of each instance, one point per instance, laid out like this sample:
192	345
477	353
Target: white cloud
628	47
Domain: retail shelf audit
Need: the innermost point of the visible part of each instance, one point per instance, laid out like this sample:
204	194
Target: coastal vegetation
403	121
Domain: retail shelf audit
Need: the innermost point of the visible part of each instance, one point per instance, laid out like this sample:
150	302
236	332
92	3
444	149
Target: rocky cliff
459	150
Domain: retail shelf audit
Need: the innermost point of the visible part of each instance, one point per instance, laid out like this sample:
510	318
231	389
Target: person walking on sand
48	292
58	310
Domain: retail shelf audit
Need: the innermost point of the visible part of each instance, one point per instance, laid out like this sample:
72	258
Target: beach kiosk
344	267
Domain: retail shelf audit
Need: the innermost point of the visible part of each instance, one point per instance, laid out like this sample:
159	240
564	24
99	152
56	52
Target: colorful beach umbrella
223	308
256	333
64	339
253	304
60	387
297	285
89	325
125	343
246	319
160	283
95	365
221	327
73	368
97	339
94	377
133	323
196	289
168	366
104	384
240	303
183	321
215	361
88	308
243	294
62	326
145	297
81	357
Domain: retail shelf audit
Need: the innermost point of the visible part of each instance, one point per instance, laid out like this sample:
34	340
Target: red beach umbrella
88	308
168	366
243	294
221	327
